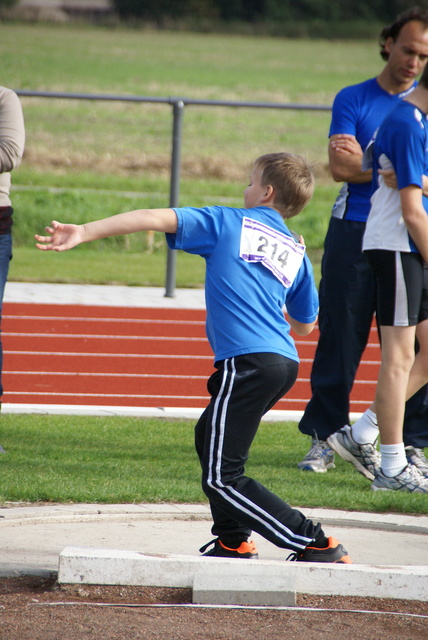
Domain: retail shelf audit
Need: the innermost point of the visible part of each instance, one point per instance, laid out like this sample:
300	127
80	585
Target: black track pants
243	389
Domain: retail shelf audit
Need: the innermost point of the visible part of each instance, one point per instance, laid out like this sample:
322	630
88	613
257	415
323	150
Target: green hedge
265	10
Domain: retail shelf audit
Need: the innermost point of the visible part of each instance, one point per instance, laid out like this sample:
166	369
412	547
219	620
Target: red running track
134	357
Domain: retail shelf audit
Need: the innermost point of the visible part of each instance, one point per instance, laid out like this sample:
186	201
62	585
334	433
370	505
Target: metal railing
178	104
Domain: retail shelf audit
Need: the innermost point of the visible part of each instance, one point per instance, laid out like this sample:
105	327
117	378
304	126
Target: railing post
174	193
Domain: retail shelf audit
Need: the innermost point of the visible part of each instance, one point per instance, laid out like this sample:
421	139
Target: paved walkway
32	537
103	295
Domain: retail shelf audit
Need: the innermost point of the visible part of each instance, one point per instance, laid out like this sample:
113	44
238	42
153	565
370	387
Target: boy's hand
389	177
61	237
297	237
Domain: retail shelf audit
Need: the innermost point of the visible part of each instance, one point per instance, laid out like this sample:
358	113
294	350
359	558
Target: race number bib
276	251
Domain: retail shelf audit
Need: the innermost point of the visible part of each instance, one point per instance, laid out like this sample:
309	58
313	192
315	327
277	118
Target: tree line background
265	10
315	19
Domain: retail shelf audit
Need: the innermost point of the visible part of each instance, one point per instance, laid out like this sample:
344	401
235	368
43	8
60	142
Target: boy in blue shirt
254	267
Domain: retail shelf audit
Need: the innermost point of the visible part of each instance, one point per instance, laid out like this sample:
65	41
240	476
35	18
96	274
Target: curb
16	513
235	581
33	536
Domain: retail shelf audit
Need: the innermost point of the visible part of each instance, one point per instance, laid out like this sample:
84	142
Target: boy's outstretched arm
66	236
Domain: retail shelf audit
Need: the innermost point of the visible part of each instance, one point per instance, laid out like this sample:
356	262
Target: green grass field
114	460
88	159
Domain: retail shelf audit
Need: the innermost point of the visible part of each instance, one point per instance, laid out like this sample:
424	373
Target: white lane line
78	354
122	320
102	395
81	374
134	375
92	336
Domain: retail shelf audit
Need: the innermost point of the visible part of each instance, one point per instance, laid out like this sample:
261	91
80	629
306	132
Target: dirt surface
34	608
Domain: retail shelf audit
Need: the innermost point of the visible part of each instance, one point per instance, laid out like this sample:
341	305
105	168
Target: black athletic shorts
423	312
401	298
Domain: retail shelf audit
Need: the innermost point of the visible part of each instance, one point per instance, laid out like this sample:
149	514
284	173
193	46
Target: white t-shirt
400	143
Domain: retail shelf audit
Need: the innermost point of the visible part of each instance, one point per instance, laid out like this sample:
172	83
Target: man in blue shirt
254	267
347	288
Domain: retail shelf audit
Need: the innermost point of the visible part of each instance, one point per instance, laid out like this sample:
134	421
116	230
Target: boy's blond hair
292	180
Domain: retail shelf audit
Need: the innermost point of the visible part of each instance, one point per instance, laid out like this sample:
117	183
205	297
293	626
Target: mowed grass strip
56	458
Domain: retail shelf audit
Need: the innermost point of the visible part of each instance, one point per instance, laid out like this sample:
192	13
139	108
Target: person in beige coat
12	141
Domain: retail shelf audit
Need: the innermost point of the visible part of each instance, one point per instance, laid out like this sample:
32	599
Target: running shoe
245	550
364	457
333	552
320	457
410	479
417	457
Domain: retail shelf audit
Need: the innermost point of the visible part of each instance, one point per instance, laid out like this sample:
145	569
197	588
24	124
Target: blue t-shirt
358	110
401	143
245	299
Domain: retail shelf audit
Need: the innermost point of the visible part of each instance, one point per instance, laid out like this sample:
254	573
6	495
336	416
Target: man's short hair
292	179
393	30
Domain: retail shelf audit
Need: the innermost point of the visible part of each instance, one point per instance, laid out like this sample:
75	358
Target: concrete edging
16	513
228	581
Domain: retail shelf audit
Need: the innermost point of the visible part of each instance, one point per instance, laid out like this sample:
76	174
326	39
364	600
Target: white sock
365	429
393	459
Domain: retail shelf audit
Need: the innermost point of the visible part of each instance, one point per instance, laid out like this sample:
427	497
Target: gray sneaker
417	457
410	479
320	457
364	457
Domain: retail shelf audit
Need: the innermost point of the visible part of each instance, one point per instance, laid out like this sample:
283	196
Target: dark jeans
5	258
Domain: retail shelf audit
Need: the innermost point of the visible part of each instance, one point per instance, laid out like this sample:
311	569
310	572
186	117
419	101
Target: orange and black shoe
333	552
245	550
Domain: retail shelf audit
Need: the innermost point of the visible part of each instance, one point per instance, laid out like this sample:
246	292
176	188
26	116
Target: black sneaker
245	550
334	552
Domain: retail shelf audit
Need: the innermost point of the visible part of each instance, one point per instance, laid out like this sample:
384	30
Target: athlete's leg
416	414
419	373
398	356
399	278
347	304
242	391
232	531
415	430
